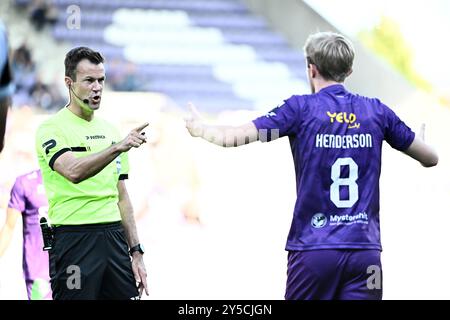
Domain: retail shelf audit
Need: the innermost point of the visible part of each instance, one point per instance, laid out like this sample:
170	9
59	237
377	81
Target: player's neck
320	84
79	111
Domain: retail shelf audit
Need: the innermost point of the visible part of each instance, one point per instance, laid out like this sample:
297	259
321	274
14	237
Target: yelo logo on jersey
344	117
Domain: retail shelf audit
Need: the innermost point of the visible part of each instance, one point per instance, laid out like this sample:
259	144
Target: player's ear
350	72
313	70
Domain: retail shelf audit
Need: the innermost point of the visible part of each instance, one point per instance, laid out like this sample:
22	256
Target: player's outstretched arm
421	151
224	136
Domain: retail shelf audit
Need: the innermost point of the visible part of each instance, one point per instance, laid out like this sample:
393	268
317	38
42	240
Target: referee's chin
94	106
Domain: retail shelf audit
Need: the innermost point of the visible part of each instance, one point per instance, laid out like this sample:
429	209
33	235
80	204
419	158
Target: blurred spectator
40	95
24	72
31	90
122	76
42	12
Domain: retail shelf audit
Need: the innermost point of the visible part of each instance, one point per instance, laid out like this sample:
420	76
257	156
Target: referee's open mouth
96	99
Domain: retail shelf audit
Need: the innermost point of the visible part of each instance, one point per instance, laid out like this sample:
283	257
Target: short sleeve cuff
257	123
56	156
408	142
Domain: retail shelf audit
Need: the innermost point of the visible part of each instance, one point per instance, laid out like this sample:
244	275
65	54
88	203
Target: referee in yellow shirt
96	252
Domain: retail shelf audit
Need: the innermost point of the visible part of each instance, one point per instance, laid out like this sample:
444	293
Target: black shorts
91	262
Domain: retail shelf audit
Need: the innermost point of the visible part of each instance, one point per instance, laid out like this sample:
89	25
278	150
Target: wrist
136	255
115	148
137	250
200	129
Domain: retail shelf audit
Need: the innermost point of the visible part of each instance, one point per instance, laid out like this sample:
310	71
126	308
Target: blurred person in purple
336	140
29	201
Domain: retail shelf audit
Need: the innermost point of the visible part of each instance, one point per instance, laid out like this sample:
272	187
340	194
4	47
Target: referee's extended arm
79	169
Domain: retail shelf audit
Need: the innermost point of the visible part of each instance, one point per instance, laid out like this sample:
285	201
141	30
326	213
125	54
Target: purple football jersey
28	197
336	139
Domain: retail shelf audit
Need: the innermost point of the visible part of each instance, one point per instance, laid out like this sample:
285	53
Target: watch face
139	248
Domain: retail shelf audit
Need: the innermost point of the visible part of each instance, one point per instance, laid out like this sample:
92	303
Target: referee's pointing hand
134	139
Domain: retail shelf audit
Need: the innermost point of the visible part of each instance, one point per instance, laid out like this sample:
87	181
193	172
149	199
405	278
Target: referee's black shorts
91	262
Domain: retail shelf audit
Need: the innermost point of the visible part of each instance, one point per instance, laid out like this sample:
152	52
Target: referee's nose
97	86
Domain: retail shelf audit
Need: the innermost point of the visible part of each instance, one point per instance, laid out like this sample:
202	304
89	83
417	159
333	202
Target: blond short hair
331	53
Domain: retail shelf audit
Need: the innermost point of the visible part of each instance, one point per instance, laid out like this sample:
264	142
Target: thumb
193	110
422	132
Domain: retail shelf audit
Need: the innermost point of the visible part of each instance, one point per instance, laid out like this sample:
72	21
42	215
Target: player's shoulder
374	102
299	97
298	100
375	105
21	180
31	175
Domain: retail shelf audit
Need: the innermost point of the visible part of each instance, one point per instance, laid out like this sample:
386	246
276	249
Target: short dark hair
74	56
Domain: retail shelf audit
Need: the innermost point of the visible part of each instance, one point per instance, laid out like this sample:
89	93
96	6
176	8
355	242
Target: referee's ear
68	81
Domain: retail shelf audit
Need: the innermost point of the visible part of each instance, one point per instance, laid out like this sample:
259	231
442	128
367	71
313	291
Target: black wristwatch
139	247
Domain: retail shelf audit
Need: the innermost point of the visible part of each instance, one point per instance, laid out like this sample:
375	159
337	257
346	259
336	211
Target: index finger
141	127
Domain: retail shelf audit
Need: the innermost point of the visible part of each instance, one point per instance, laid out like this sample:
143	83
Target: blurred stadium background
214	222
